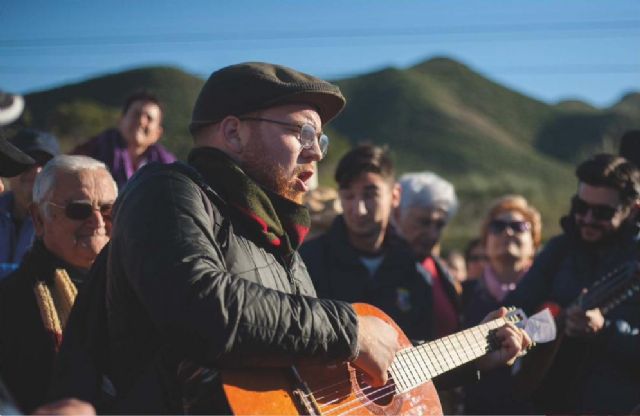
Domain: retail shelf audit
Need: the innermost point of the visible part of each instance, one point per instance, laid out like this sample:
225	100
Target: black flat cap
12	161
243	88
40	145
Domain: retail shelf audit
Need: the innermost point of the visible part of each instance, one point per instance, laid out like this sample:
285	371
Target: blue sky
548	49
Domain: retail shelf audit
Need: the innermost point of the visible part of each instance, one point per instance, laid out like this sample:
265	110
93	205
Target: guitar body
338	389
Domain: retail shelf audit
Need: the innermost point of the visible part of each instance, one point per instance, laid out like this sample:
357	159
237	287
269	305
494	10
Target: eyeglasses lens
308	136
498	226
599	212
82	210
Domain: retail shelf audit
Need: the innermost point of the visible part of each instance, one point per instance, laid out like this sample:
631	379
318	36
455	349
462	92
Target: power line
629	26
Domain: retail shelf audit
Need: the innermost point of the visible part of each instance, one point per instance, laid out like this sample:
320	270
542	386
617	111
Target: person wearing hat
203	273
134	142
16	227
12	160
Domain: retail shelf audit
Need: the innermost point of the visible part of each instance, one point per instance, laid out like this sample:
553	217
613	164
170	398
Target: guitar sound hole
382	396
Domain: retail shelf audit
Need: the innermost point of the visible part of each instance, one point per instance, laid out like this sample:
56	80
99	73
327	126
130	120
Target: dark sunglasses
599	212
498	226
81	210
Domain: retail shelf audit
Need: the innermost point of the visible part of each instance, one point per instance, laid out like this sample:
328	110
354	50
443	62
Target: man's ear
396	194
232	139
38	219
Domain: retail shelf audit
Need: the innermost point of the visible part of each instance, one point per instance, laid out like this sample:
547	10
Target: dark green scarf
276	221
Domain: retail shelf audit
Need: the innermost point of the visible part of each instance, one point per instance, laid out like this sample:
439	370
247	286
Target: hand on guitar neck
511	342
378	344
581	323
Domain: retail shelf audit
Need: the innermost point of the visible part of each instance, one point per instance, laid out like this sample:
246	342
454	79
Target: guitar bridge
302	395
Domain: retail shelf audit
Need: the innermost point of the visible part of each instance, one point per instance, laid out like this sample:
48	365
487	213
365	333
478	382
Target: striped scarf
276	221
55	302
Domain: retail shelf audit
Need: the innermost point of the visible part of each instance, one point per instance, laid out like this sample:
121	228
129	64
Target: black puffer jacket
590	375
398	287
186	282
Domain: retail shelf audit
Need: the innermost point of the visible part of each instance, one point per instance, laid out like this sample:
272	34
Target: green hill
78	111
439	115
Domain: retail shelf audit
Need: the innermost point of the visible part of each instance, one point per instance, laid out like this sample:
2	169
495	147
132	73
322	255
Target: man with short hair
428	203
361	258
71	212
596	370
16	227
134	142
203	272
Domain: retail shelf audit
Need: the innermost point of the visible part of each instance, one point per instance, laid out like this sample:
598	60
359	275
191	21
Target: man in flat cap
203	272
16	227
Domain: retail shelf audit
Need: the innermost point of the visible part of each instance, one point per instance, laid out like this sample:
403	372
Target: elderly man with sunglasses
597	368
71	212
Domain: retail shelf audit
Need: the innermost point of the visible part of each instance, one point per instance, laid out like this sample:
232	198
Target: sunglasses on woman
598	211
498	226
81	210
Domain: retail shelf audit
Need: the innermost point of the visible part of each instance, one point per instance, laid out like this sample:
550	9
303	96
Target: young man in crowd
361	258
597	368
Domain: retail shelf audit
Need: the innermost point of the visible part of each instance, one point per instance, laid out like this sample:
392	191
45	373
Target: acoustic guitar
341	389
538	373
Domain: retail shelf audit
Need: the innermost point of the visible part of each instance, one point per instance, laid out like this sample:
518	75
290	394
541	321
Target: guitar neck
415	366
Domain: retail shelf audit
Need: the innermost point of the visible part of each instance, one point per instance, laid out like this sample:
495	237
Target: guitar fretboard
415	366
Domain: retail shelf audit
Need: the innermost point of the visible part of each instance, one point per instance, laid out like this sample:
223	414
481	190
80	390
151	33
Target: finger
498	313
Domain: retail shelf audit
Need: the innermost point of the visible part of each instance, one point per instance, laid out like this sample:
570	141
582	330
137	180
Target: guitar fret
427	361
444	353
421	366
454	351
414	366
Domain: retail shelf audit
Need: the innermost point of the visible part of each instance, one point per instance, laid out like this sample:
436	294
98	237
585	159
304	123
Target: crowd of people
130	283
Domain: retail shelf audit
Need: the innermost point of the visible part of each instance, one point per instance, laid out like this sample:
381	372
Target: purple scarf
110	147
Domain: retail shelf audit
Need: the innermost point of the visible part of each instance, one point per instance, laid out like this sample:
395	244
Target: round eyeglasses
307	134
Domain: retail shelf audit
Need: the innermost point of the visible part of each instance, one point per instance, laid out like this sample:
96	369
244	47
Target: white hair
45	180
427	190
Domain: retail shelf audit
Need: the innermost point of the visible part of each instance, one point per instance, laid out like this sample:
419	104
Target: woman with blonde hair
511	235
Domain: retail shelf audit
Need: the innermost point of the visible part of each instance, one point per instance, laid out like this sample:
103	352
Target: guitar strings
435	359
616	280
477	347
412	351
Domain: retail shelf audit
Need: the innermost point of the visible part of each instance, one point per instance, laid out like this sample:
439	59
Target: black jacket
599	374
186	283
27	350
399	286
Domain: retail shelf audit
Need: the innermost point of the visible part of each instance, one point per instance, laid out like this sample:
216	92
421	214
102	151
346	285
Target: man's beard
271	176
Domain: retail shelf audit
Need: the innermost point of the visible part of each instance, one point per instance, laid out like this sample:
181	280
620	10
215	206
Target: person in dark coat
428	203
597	367
361	258
511	234
16	227
73	196
134	142
203	272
